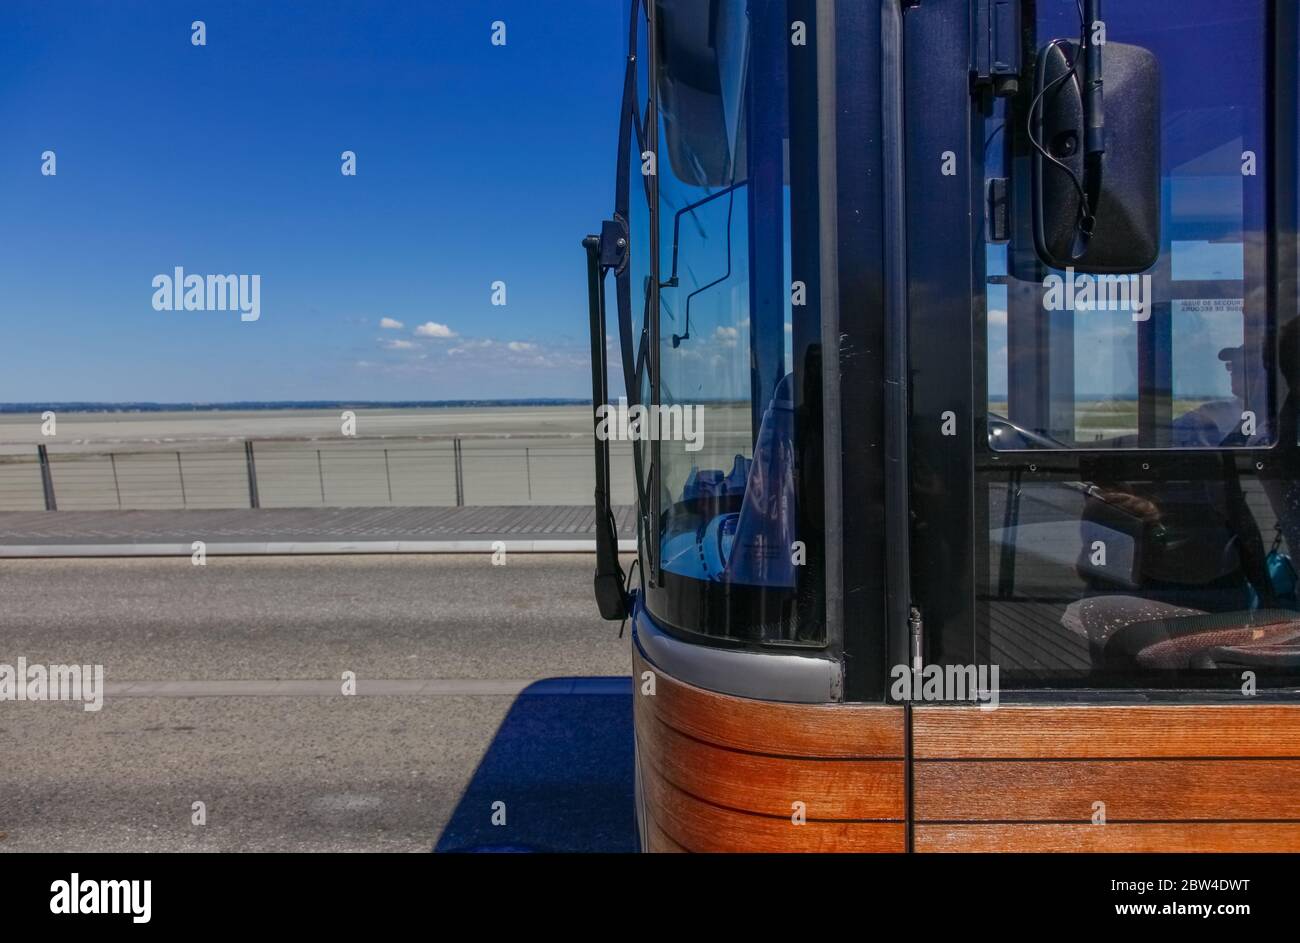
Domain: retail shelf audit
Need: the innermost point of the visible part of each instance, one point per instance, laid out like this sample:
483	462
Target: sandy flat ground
20	432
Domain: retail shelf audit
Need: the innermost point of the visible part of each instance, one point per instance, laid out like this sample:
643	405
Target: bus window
739	331
1178	356
1155	553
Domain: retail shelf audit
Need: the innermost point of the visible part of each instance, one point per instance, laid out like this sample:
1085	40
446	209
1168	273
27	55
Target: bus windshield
737	327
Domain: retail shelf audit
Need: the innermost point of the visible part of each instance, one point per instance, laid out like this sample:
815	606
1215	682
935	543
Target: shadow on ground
562	762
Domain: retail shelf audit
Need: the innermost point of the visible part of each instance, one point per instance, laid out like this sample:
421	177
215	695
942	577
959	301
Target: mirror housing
1123	182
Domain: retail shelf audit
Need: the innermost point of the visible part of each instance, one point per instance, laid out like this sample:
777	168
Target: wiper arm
604	252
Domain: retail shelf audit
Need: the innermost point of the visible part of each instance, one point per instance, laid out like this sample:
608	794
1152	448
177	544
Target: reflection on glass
1188	366
1186	578
728	318
1096	579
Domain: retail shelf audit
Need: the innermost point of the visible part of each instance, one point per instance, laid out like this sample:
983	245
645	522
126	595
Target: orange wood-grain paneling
1016	731
769	785
1169	778
1116	836
657	841
702	827
1134	790
772	727
722	773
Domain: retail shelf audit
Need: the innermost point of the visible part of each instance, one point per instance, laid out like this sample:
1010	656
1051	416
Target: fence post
528	473
251	465
47	479
460	474
320	475
112	460
181	471
388	477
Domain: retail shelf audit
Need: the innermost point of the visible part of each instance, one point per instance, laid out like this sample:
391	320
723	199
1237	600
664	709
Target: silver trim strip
766	676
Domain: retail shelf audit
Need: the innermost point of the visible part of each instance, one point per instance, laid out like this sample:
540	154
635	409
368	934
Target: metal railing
282	473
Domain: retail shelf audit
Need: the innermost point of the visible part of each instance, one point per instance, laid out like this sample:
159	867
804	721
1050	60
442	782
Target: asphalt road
382	770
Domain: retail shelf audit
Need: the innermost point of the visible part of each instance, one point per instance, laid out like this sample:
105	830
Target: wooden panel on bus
774	727
722	773
1148	837
1166	730
1122	778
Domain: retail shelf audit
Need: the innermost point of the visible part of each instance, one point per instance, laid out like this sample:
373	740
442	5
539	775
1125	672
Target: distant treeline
76	407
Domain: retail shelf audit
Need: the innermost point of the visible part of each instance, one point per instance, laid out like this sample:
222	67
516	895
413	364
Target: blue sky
475	163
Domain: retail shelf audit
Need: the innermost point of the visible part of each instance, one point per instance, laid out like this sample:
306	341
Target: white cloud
388	324
399	345
516	355
464	346
434	329
998	316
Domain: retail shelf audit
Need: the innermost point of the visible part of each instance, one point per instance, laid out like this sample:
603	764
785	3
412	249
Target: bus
984	312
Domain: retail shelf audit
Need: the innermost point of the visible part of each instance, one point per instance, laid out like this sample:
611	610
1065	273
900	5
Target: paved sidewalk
306	530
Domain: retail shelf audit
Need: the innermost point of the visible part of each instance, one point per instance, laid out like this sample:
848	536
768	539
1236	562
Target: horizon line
83	405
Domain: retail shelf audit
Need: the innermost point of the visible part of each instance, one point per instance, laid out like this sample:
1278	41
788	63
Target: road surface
383	770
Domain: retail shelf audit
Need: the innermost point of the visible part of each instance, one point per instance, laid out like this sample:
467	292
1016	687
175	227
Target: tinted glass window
1179	356
738	328
1160	551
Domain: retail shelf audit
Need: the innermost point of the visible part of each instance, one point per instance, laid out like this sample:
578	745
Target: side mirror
1120	232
